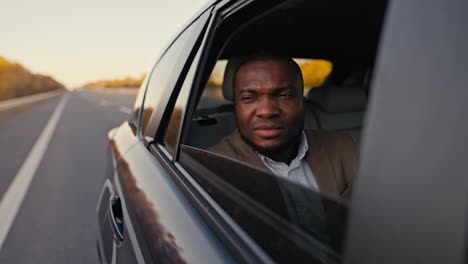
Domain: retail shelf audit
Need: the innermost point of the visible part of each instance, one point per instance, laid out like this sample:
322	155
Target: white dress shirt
298	170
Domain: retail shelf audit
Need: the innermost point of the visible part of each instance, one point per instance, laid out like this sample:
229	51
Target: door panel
165	225
121	139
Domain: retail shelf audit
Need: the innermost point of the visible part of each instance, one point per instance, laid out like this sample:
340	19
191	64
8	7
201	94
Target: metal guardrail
12	103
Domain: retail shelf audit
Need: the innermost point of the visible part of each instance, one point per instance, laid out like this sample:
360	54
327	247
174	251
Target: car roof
314	29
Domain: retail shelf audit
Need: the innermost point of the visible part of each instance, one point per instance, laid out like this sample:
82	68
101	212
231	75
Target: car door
142	215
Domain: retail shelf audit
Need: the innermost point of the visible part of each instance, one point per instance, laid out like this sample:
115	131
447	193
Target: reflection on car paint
161	243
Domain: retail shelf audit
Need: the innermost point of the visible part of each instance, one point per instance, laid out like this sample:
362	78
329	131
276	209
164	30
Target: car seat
339	108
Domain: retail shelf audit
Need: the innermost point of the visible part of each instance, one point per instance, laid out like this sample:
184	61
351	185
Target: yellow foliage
315	71
16	81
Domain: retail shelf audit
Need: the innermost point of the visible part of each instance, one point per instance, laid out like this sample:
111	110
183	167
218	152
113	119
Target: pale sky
85	40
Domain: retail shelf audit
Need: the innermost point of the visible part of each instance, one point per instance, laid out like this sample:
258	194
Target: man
268	100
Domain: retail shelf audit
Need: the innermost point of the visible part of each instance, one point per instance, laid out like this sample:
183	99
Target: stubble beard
271	151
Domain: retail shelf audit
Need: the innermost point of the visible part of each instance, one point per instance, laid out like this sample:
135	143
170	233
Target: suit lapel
316	157
319	163
246	153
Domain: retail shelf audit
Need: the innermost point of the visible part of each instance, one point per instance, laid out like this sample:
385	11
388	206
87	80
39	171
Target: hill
116	83
17	81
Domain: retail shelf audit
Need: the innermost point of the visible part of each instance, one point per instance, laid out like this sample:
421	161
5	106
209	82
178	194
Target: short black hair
267	56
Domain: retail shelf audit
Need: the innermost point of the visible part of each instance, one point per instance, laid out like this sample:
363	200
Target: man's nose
267	108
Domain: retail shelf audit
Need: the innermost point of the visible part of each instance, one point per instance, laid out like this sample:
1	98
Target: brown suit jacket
332	158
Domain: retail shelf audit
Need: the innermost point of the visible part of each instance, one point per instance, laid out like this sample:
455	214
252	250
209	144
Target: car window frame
209	58
219	220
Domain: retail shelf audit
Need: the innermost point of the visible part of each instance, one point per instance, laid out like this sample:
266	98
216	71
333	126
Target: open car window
289	221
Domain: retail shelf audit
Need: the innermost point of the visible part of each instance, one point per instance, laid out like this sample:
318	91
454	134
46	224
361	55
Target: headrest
338	99
228	80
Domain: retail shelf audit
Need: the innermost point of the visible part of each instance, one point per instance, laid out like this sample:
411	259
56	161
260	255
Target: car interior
339	103
330	107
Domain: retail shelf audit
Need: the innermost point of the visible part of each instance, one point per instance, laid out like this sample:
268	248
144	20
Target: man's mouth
268	131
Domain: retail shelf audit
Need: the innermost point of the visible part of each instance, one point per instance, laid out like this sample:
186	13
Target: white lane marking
125	109
14	196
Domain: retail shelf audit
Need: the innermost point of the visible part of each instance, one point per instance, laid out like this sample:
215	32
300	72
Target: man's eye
247	98
285	95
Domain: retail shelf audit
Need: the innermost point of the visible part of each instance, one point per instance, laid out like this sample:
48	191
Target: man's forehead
273	70
236	63
264	87
268	74
265	63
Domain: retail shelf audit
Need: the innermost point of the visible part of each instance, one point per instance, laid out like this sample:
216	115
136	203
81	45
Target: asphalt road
56	222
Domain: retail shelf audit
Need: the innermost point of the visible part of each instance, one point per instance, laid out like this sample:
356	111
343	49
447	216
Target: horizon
75	43
82	85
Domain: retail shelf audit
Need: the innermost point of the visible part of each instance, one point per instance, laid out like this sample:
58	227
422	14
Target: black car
389	72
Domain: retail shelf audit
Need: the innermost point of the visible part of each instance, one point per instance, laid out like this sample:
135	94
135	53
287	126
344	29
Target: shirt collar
301	152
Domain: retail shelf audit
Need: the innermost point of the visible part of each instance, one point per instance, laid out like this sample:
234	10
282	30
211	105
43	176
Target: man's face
268	104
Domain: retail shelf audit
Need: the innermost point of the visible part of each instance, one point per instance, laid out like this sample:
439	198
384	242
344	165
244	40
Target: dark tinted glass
292	223
166	74
175	121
